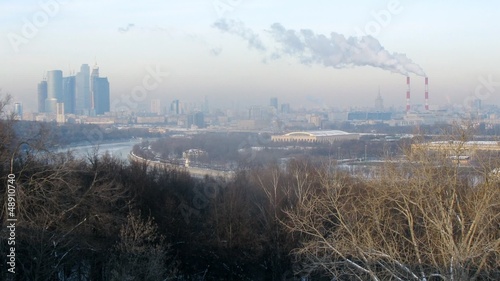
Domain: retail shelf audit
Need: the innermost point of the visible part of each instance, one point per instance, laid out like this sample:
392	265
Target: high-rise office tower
197	119
93	76
82	90
54	85
175	107
69	88
155	106
99	89
255	113
285	108
18	110
274	103
60	118
206	108
42	96
51	105
100	95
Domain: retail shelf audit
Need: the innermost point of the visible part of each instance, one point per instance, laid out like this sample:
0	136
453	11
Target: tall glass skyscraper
50	105
42	96
84	93
93	76
69	89
54	85
174	107
99	91
82	90
274	103
18	110
100	95
54	90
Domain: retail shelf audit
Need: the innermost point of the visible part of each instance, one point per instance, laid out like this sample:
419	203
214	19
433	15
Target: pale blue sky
454	42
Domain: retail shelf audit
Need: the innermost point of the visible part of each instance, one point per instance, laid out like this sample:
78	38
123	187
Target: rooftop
318	133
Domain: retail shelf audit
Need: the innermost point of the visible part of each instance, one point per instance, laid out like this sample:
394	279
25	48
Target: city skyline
245	52
83	93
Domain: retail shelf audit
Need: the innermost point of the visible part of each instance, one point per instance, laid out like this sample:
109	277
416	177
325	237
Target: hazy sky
245	51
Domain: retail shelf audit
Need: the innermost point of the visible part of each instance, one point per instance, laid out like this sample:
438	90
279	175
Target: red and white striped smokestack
426	93
408	93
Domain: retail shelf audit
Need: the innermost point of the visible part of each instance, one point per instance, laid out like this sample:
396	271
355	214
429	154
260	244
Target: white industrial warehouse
315	136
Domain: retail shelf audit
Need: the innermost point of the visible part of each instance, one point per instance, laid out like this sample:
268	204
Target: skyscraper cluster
84	93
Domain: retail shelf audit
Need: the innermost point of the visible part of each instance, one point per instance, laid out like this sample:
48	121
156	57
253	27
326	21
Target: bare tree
141	253
418	220
67	211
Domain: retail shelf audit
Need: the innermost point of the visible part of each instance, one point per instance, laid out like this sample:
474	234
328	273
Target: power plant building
408	89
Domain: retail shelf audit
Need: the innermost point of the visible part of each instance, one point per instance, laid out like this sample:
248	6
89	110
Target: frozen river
119	149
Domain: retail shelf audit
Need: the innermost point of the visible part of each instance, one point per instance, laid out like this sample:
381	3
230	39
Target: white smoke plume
239	29
126	28
338	51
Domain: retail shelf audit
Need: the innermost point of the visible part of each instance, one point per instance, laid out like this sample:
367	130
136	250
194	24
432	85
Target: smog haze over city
313	54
